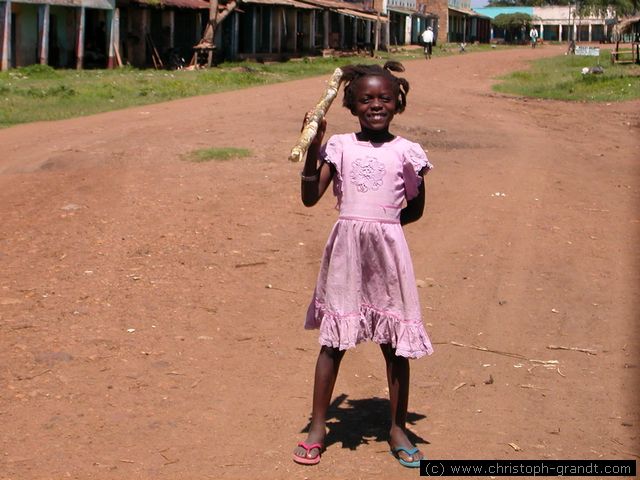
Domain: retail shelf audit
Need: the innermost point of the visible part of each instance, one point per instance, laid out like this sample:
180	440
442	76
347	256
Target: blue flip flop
408	451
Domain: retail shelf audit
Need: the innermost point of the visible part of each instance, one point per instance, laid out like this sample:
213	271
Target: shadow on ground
360	421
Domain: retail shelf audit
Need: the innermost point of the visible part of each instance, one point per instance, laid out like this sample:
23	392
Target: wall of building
440	8
134	26
52	40
258	30
409	4
62	38
464	4
558	23
26	34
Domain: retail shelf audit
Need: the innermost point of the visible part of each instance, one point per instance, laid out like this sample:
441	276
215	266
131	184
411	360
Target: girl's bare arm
315	178
415	207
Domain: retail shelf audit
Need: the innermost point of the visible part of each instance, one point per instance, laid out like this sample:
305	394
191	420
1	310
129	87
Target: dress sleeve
416	164
331	152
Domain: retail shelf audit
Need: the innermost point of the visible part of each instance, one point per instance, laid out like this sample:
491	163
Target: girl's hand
322	128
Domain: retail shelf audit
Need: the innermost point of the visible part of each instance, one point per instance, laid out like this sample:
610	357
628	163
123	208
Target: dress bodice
373	181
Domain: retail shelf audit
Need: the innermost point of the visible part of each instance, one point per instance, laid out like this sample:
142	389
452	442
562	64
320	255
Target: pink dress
366	287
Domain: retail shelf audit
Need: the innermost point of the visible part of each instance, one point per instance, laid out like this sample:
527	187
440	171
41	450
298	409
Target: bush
37	71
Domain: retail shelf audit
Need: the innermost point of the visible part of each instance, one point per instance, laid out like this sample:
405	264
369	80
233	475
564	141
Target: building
558	23
465	24
287	28
60	33
457	21
439	12
152	32
407	20
142	33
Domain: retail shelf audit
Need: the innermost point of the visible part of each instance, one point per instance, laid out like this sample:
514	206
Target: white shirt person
427	38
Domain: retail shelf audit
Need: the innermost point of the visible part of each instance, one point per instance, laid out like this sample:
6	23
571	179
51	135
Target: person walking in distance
427	38
533	35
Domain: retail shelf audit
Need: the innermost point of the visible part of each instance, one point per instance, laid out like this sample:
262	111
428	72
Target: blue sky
478	3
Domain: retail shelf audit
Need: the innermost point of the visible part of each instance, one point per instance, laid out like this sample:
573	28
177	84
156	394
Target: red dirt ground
530	240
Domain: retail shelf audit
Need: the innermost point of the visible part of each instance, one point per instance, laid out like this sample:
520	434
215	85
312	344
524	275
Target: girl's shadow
357	422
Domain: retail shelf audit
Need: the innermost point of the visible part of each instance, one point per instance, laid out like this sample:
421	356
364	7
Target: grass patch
39	92
560	78
225	153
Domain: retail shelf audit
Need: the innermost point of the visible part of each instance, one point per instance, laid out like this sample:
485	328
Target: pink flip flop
306	460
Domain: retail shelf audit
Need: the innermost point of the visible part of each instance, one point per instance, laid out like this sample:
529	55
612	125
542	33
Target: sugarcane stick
314	119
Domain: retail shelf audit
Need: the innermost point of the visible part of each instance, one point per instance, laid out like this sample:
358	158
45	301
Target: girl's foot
310	456
398	439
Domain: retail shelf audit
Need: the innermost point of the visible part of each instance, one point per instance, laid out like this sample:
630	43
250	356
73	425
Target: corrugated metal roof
191	4
466	11
366	16
351	9
337	4
288	3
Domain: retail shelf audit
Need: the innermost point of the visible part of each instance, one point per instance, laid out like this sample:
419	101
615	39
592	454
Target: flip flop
306	460
409	451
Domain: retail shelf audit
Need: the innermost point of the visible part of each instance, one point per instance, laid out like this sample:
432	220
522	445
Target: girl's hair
352	73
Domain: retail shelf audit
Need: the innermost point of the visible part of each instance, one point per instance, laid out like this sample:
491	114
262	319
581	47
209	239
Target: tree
515	25
620	7
512	21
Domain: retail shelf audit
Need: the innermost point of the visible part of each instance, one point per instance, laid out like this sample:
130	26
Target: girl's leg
327	367
398	379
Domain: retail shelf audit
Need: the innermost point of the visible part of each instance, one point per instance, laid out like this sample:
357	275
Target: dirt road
138	338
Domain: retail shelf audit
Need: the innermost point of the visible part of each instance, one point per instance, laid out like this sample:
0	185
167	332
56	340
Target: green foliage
61	91
225	153
37	71
600	7
39	92
512	21
560	78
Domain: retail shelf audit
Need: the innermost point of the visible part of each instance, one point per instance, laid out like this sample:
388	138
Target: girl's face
375	102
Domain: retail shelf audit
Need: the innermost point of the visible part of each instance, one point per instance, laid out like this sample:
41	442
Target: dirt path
138	338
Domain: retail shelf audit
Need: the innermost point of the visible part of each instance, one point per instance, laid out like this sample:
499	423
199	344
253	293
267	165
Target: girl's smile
375	103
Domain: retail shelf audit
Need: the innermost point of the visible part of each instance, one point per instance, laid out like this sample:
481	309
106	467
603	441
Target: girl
366	288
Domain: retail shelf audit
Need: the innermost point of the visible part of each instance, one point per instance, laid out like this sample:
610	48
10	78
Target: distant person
366	288
427	39
533	36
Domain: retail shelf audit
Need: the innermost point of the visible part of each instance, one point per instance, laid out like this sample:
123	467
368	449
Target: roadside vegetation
223	153
562	78
39	92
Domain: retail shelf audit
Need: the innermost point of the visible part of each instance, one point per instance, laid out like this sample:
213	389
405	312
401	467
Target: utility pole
213	16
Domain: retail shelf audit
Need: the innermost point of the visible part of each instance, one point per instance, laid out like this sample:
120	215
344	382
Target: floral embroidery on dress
367	173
